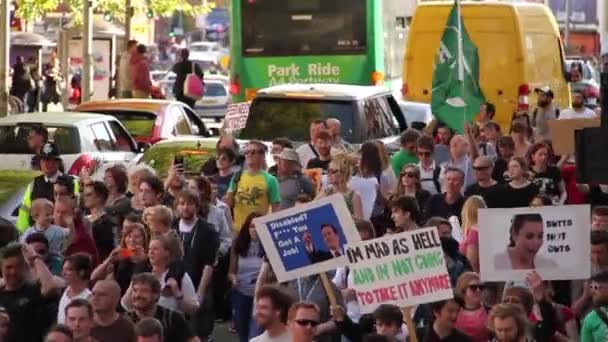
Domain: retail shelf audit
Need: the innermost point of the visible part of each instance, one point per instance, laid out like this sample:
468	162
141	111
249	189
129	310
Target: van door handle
499	92
425	91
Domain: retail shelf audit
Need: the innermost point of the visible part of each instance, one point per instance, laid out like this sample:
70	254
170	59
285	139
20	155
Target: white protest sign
552	240
236	116
307	239
404	269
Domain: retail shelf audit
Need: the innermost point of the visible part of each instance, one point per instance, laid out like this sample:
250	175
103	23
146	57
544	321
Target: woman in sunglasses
525	241
473	315
339	174
410	185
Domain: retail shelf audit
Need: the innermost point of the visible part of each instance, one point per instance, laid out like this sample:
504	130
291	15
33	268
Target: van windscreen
272	118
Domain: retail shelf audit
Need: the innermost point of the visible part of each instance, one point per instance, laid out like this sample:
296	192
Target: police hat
50	151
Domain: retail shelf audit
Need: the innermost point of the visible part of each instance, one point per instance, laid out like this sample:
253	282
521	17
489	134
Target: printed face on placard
552	240
307	239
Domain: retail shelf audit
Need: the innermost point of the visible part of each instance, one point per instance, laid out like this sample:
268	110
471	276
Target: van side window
378	118
102	139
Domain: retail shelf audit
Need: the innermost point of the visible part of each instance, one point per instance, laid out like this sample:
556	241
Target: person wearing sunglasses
410	185
595	323
484	185
429	168
525	241
473	315
253	189
304	317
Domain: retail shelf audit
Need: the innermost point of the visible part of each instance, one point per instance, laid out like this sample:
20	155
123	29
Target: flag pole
461	59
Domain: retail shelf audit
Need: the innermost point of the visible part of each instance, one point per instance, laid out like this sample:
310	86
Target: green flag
456	93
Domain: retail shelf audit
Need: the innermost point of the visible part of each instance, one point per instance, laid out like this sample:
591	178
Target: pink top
473	324
472	239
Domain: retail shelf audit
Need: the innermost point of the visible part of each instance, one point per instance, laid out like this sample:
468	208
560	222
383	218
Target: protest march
470	205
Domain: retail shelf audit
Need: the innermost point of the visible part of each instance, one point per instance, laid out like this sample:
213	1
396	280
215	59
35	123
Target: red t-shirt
83	243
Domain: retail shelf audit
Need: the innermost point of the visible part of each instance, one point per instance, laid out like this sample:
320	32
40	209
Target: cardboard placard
552	240
562	133
236	116
404	269
307	239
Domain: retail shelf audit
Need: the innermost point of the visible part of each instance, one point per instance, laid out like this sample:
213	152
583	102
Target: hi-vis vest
38	188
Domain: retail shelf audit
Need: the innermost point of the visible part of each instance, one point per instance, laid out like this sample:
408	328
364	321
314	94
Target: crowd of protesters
133	257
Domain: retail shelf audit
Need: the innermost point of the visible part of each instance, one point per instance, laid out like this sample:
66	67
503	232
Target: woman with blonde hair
470	245
388	179
339	172
472	318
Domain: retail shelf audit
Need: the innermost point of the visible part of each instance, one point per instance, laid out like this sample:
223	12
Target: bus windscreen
303	27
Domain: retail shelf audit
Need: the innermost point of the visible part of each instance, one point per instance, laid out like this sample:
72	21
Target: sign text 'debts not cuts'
404	269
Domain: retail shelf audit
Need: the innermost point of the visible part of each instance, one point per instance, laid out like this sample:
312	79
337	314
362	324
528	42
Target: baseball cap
290	154
544	89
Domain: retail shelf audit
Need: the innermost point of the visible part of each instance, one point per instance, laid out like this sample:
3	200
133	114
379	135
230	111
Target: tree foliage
31	10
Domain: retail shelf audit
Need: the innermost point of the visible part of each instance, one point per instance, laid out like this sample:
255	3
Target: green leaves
31	10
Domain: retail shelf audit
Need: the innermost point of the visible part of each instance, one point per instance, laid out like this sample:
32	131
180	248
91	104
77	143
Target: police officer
42	186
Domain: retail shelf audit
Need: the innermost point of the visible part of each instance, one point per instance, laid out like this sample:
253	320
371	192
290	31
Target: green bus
360	42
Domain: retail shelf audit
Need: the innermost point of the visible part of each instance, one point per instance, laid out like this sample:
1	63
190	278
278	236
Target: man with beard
578	110
146	293
271	311
595	324
508	323
543	113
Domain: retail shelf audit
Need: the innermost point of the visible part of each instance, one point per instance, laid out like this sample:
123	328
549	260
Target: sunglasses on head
307	322
477	287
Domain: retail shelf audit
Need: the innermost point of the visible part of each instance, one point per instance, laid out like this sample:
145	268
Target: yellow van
519	46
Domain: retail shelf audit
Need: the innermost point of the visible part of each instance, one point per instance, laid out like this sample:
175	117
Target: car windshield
13	139
139	124
200	48
215	89
272	118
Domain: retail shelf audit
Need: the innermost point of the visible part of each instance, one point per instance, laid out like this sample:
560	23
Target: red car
150	121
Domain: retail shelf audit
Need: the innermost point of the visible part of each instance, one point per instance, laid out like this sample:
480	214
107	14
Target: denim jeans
243	316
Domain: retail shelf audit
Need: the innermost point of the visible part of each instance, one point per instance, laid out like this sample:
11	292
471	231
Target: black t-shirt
437	206
491	194
30	313
125	269
222	183
175	327
317	163
200	248
515	198
597	196
547	182
103	234
500	167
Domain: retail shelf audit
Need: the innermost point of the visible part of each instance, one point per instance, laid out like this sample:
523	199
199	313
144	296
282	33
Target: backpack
435	179
535	113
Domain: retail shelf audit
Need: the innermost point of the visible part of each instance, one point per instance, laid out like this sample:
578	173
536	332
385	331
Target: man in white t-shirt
578	110
271	309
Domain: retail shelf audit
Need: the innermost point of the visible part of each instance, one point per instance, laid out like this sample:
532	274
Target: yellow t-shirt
253	193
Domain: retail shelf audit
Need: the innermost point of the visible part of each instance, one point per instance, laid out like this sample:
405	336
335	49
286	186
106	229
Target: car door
124	142
197	126
106	149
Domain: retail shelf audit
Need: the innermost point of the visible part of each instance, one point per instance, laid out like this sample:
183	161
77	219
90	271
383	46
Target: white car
206	47
82	139
416	114
215	101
